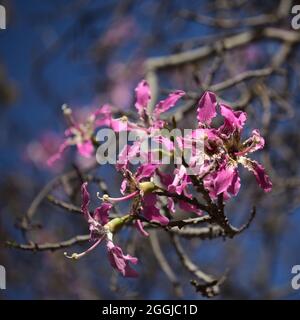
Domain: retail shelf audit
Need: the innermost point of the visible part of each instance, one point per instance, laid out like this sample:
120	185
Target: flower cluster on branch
156	190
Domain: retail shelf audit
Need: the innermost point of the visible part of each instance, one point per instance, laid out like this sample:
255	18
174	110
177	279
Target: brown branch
247	75
164	264
231	42
64	205
209	286
48	246
202	233
191	221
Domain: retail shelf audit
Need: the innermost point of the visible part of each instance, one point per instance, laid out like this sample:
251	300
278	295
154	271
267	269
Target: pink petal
206	110
188	207
150	199
85	200
171	205
123	186
58	155
235	184
119	261
220	181
128	153
168	103
139	225
104	111
143	97
254	143
180	182
151	213
166	143
165	178
258	170
86	149
101	214
123	158
233	120
118	125
145	171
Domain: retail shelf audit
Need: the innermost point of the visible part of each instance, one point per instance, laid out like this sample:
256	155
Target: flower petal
206	110
219	181
258	170
150	212
168	103
153	214
188	207
86	148
58	155
235	185
119	261
171	205
85	201
145	171
143	97
233	120
139	225
101	214
180	182
254	143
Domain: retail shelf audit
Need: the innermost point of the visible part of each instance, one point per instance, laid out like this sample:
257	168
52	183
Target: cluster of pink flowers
224	150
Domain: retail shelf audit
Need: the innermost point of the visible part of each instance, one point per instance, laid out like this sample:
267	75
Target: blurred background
86	53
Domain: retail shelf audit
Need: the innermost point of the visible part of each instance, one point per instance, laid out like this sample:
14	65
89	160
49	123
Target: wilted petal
258	170
143	97
206	110
101	214
254	143
168	103
121	262
86	148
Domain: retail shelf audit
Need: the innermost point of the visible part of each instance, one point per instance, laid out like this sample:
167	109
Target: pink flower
40	150
101	229
224	146
168	181
140	188
81	134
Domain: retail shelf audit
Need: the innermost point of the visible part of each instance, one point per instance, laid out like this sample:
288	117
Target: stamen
76	256
68	114
107	198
